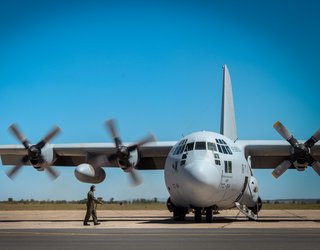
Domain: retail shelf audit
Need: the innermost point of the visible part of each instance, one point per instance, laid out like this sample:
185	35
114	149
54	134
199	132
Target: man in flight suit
91	208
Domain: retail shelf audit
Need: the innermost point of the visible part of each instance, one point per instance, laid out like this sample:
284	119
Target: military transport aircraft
204	171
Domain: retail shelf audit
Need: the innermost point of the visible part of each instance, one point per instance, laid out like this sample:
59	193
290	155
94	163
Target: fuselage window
200	145
217	162
190	146
227	166
212	146
216	156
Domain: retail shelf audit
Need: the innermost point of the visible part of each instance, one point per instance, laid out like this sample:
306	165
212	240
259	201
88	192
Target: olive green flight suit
91	208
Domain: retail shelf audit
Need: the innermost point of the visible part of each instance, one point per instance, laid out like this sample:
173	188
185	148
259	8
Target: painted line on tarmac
150	234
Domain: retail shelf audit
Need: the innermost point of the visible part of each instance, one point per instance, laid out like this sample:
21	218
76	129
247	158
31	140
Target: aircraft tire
198	215
179	214
209	216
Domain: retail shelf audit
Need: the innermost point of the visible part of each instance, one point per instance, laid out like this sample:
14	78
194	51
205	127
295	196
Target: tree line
83	201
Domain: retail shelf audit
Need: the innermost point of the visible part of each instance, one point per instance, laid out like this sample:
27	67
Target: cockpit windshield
212	146
190	146
218	146
200	145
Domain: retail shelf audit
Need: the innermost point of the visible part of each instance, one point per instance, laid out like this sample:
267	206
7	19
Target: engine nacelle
88	174
300	166
47	156
131	162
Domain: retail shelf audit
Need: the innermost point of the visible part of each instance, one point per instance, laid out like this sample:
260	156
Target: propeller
34	154
301	151
124	153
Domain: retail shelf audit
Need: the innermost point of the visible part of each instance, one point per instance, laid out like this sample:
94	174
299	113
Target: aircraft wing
269	154
152	155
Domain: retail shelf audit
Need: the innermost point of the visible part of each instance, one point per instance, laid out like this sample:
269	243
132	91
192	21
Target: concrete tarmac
150	229
157	219
162	238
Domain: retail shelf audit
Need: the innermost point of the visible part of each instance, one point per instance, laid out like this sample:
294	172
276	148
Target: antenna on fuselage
228	121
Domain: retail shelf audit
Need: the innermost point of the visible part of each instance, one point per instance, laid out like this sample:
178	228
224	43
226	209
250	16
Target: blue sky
155	66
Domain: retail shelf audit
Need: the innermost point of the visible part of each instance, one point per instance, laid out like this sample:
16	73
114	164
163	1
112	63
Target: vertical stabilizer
228	120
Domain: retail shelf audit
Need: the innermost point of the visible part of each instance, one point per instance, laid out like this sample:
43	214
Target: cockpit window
190	146
200	145
212	146
220	141
223	147
180	148
229	150
176	150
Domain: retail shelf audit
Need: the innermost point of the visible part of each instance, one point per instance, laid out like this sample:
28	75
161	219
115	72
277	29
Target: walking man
91	207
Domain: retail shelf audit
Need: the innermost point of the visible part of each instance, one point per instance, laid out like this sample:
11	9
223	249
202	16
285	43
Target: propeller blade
135	179
48	137
313	139
149	138
110	124
279	170
52	172
19	135
284	132
14	170
316	167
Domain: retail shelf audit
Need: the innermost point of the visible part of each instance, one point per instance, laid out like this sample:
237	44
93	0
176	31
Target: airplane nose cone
201	183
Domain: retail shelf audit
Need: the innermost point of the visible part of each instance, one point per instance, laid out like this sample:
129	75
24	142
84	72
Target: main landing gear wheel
198	214
179	214
209	217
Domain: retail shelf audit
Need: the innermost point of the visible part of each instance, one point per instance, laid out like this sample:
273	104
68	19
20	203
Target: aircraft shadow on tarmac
223	220
166	220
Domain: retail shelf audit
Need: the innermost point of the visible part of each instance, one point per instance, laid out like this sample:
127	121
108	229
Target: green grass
290	206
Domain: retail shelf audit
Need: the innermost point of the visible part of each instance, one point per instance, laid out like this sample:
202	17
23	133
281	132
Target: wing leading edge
152	155
269	154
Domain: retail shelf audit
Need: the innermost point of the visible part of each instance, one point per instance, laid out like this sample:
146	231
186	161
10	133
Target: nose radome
203	173
201	181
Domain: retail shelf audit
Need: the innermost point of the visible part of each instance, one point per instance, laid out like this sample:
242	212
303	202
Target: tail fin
228	120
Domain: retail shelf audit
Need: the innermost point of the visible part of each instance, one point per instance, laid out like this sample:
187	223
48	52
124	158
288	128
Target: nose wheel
199	211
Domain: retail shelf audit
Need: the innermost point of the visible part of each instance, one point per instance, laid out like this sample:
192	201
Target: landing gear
198	214
208	212
209	217
179	213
